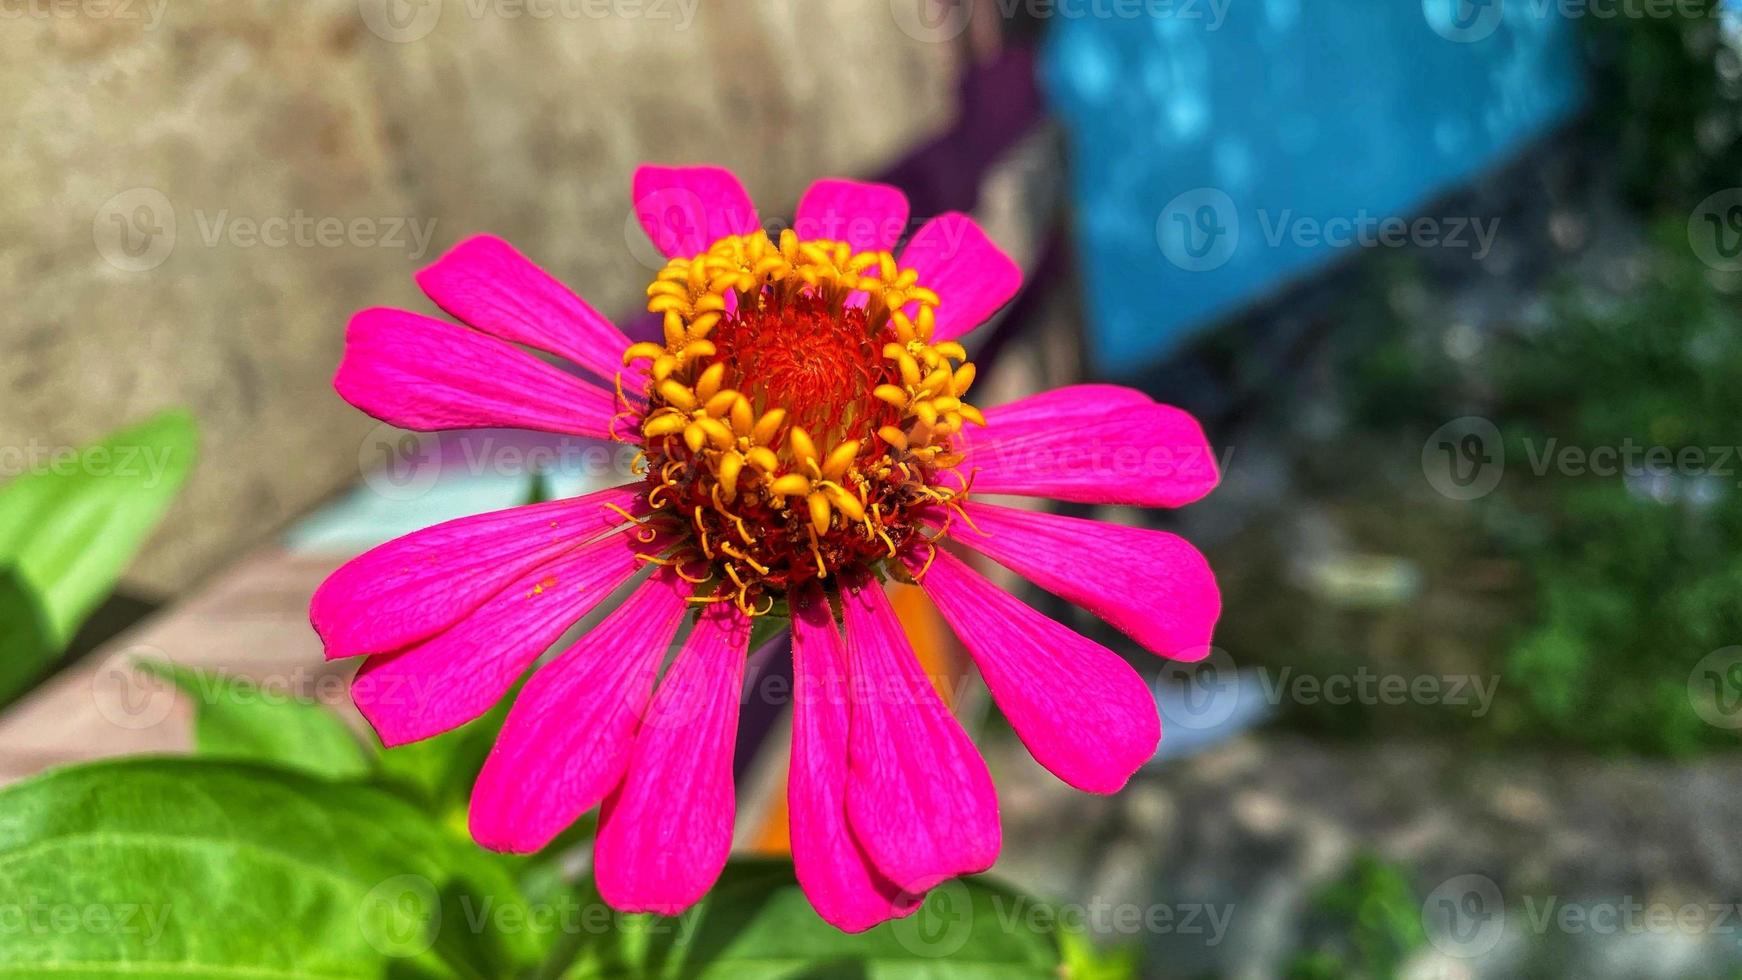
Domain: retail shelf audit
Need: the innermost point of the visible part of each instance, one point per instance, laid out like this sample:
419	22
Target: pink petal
837	877
420	373
971	276
686	209
1094	444
1079	707
919	798
871	217
665	833
1153	586
458	674
567	739
416	586
483	281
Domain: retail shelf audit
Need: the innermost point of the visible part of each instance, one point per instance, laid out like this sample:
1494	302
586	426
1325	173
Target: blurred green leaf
439	772
1086	961
757	925
1367	923
72	524
26	646
165	868
235	719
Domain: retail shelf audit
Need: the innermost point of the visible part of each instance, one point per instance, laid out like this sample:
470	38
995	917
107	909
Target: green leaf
235	719
73	523
1086	961
757	925
156	869
26	648
439	772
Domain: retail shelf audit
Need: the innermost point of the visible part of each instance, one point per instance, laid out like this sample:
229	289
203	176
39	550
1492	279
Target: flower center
798	413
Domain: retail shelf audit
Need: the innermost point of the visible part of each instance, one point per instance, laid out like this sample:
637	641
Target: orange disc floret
798	413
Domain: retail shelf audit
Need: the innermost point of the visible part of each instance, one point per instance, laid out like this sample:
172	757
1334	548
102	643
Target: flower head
799	414
804	435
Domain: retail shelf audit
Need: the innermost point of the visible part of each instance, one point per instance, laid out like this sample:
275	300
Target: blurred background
1453	285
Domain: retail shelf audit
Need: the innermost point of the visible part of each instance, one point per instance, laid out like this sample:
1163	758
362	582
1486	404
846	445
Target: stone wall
167	167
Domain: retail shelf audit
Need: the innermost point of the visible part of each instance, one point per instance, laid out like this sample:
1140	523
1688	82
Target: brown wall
192	120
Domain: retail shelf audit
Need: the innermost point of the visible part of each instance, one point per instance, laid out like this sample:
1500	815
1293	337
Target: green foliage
1636	574
1607	562
756	925
439	772
1369	922
287	849
70	527
27	644
1663	99
170	868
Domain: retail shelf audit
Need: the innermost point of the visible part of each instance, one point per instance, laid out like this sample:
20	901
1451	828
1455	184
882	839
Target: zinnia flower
804	435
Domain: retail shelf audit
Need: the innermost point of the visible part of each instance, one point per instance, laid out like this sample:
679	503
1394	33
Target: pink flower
804	435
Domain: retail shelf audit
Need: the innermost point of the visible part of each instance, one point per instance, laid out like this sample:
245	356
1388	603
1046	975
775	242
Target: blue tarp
1222	148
